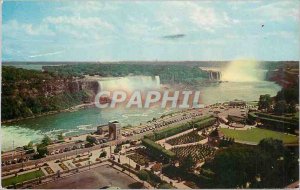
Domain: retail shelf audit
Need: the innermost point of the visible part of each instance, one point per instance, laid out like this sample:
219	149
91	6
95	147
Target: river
86	120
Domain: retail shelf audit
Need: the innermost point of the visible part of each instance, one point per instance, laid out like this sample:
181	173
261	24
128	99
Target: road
180	118
110	143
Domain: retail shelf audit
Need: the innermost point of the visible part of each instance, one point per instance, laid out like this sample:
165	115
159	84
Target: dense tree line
268	165
167	73
284	102
24	93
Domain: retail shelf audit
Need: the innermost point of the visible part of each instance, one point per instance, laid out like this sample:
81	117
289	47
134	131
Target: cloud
88	6
14	28
175	36
86	22
185	16
279	11
46	54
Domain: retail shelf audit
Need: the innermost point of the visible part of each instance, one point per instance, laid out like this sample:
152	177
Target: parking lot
92	179
162	122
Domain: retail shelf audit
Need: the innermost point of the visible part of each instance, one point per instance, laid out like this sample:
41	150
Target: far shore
71	109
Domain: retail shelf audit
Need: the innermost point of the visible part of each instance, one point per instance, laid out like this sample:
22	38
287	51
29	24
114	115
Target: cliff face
284	77
26	93
57	87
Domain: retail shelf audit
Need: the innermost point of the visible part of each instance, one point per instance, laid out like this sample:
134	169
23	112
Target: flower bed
63	166
190	137
49	170
198	152
80	160
139	158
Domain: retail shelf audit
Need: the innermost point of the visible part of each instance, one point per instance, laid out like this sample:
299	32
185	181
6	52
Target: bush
91	139
136	185
118	149
42	150
143	175
165	186
103	154
200	123
29	151
157	149
46	140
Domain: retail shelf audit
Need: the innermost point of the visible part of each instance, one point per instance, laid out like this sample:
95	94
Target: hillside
168	73
26	93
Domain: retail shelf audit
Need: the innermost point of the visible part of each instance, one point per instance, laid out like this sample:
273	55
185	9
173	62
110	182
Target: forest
26	93
167	73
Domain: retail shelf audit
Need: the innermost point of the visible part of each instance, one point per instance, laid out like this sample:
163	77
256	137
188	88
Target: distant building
237	119
237	103
114	130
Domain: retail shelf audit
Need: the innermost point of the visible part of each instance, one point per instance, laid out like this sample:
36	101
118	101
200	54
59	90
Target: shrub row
276	117
274	122
157	149
200	123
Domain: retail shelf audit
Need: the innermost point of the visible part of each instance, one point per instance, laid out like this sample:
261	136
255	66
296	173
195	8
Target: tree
103	154
42	150
288	94
274	147
187	163
60	137
281	107
143	175
118	148
91	139
46	140
165	186
265	102
28	146
237	165
292	107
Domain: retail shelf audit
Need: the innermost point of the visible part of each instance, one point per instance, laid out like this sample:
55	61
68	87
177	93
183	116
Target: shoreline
70	109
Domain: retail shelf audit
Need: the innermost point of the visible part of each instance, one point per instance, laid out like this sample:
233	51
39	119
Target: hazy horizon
135	61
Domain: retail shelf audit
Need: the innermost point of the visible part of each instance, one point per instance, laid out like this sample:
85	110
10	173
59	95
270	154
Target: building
237	119
114	130
237	103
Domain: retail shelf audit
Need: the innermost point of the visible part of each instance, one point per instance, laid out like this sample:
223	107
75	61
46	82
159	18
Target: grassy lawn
257	134
21	178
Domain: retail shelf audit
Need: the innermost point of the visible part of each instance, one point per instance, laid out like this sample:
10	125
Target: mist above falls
131	83
243	70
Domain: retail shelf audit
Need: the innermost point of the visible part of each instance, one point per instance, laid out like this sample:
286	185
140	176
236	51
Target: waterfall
244	70
130	83
157	79
215	75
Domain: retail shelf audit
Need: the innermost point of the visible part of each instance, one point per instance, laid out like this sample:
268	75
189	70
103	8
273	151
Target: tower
114	130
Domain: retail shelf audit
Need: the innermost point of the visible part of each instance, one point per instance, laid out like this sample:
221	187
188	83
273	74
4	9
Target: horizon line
145	61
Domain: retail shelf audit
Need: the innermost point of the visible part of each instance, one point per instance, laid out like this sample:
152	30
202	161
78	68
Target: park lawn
21	178
257	134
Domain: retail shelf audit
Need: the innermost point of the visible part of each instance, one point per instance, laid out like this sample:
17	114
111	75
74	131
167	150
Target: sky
150	30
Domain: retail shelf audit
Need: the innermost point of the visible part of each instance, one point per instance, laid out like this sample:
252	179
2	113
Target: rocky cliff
26	93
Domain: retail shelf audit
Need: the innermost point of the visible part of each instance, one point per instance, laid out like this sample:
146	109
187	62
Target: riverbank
71	109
